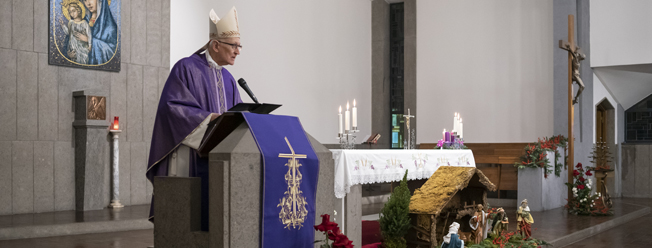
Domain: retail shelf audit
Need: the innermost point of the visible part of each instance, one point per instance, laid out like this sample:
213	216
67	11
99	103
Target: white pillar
115	200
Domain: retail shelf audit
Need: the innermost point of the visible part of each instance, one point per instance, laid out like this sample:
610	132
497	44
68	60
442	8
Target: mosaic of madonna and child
85	34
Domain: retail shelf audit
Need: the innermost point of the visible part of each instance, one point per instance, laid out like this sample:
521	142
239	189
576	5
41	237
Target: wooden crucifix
575	57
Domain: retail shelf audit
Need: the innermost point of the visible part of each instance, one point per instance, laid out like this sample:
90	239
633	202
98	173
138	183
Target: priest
197	91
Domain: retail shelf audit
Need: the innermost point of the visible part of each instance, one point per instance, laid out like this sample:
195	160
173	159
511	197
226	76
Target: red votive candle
116	124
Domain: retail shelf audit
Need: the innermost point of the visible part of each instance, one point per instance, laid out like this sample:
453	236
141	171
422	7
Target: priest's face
226	50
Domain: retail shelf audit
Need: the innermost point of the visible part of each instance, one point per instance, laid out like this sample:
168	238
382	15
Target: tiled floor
129	239
636	233
548	225
66	217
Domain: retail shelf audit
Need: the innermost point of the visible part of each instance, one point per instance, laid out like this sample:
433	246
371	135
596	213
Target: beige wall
620	32
490	61
310	56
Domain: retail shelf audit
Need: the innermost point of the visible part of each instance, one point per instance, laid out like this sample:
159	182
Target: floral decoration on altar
457	144
535	154
584	201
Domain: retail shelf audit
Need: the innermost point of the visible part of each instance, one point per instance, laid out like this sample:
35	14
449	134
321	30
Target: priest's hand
214	116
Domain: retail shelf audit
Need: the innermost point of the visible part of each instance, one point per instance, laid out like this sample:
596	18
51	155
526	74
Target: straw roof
442	186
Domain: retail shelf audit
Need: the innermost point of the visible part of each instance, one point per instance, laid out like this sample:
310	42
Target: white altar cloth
353	167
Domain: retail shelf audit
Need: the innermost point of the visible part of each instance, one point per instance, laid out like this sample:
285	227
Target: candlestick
347	117
115	201
339	115
355	116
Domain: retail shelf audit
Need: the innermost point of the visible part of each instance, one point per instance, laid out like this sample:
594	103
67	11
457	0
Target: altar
356	167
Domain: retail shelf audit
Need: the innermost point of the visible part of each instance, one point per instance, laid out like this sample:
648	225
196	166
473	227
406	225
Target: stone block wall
36	105
636	174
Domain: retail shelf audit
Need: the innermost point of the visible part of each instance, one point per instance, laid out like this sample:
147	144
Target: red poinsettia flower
332	235
576	173
326	224
342	241
579	165
581	186
588	173
581	179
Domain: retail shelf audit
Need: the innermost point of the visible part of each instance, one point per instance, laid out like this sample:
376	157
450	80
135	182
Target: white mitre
226	27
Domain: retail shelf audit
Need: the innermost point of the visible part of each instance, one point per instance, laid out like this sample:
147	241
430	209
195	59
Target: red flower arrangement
584	202
332	232
535	155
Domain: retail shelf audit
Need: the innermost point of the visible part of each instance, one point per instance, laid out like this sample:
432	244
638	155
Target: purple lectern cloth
188	97
289	195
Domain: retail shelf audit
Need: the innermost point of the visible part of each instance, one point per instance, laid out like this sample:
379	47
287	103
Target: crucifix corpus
575	57
407	127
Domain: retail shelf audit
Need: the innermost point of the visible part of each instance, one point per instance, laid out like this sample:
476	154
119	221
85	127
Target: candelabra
347	139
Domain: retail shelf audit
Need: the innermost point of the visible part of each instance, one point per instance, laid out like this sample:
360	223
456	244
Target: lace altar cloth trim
353	167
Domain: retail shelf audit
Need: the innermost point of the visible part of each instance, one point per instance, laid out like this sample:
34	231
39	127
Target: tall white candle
455	122
355	116
340	119
461	129
347	117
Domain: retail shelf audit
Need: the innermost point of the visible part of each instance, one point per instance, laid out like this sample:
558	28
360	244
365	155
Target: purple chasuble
189	96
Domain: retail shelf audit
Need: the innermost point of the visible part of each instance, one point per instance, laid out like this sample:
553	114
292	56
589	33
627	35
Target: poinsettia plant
535	155
585	202
332	232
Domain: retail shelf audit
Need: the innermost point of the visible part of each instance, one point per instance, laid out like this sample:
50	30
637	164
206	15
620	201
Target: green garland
535	155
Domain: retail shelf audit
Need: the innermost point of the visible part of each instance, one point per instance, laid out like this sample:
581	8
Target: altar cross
574	58
407	126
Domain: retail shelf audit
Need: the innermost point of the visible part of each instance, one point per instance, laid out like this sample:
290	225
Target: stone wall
636	173
36	105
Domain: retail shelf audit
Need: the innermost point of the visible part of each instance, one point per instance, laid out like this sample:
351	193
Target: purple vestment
189	96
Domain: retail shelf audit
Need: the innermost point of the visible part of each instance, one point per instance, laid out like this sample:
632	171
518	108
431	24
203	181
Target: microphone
244	86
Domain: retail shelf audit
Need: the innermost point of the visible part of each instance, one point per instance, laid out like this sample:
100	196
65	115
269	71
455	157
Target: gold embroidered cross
293	204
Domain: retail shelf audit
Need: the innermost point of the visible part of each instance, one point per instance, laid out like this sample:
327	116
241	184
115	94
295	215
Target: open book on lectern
223	125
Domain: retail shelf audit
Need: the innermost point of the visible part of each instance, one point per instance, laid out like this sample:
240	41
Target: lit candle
443	135
347	117
116	124
355	116
339	115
